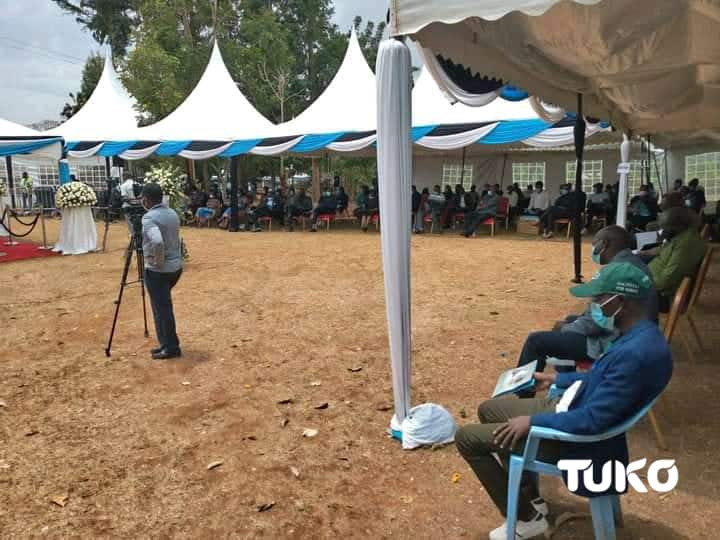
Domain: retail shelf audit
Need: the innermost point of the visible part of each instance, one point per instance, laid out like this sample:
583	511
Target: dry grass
261	317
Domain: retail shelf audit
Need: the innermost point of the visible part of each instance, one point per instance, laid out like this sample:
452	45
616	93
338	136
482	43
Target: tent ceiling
109	114
216	110
649	66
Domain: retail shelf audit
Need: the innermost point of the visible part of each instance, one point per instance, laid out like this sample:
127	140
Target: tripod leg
141	279
123	282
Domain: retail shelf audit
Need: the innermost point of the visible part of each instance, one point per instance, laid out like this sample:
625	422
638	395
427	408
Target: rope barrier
17	217
9	230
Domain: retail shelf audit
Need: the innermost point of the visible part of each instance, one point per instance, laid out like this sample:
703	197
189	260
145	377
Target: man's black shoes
166	355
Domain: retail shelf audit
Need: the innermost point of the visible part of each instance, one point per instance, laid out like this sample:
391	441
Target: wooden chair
565	222
678	307
696	290
268	220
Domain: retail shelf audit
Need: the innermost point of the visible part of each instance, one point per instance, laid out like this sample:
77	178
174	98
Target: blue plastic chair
605	510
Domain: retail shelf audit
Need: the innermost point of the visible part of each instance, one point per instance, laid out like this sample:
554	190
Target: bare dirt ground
123	444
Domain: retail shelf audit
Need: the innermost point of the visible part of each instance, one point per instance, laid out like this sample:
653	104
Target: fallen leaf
284	422
322	406
285	401
265	506
60	500
3	403
295	471
315	383
494	313
215	464
355	369
246	339
234	346
250	438
310	433
455	478
186	383
31	432
383	408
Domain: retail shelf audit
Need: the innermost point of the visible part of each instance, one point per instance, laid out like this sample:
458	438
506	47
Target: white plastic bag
427	424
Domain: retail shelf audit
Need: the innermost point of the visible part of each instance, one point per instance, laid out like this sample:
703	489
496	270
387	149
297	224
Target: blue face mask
602	320
596	255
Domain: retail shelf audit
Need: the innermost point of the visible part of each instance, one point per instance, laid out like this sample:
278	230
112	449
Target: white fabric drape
457	140
78	233
451	90
141	153
394	158
561	136
353	146
81	154
549	113
204	154
276	149
621	217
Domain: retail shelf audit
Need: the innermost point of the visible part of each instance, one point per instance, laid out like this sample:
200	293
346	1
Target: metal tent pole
234	225
579	133
11	180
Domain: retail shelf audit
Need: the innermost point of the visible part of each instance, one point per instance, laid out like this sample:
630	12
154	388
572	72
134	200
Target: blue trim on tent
110	149
70	146
167	149
511	93
310	143
513	131
420	131
26	147
239	147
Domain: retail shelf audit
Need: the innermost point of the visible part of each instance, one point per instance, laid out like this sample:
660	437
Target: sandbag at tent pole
623	169
234	225
579	134
11	180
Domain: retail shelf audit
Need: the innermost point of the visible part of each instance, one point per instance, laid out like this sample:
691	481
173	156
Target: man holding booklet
629	375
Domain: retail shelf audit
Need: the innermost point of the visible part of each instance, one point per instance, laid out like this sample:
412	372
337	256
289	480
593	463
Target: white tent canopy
108	115
19	139
648	66
216	110
348	103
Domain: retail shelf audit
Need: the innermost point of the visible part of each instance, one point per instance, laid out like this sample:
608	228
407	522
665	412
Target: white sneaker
540	506
523	530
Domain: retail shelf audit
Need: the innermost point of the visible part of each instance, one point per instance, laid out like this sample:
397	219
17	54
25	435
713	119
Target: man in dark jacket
326	205
299	204
628	377
564	207
486	209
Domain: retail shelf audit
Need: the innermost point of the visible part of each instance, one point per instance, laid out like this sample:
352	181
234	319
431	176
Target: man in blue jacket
629	375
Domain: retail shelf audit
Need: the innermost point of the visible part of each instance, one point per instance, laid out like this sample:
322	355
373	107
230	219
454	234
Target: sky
43	50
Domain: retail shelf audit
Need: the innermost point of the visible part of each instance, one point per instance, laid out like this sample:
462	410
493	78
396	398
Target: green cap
616	278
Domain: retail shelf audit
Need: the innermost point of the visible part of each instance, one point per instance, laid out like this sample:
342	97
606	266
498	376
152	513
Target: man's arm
154	237
664	266
611	402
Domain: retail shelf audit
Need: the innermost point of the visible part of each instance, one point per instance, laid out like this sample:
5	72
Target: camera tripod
135	246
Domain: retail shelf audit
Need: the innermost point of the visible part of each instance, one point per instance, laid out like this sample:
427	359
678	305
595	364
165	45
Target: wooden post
315	177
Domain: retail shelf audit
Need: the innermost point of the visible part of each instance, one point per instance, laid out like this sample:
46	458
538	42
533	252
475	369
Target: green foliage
90	76
355	172
369	38
111	20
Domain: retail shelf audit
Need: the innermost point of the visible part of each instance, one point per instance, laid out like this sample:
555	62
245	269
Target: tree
91	73
111	20
369	38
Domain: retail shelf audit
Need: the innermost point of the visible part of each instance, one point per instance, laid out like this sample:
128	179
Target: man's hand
507	435
543	380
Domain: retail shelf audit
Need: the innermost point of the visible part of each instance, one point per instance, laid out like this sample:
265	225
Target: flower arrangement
171	182
75	195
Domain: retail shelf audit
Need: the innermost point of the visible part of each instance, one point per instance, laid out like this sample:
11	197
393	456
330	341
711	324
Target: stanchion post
44	233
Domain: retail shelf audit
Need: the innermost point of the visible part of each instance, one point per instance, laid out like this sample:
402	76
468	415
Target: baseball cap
616	278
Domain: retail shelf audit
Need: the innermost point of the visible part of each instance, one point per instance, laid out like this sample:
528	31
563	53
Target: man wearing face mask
643	209
563	208
624	380
163	267
326	205
583	338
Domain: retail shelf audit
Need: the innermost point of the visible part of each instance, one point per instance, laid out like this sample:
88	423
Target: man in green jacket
679	257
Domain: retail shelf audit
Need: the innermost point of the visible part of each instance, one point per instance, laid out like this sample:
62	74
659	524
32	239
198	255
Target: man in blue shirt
634	371
163	267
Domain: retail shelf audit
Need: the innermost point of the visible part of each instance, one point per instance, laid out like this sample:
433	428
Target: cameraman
129	195
163	267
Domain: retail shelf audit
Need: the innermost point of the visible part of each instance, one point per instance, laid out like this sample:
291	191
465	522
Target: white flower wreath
75	195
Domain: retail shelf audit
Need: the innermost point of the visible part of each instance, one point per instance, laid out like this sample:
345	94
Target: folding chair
327	218
696	290
564	221
606	511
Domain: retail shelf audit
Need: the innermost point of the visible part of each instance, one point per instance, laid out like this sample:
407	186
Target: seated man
486	209
625	379
679	256
583	338
436	202
598	206
539	200
208	212
342	199
326	205
421	212
643	209
695	198
564	207
299	204
267	207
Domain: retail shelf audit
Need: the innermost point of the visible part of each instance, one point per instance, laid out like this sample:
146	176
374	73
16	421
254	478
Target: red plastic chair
327	218
503	214
376	220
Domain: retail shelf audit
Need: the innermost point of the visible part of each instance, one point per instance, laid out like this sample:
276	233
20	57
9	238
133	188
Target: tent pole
502	173
657	175
667	172
621	216
11	180
107	167
234	225
462	168
648	173
579	133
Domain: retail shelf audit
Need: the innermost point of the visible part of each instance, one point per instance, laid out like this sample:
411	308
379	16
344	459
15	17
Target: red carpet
24	250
